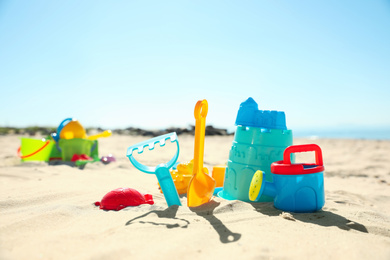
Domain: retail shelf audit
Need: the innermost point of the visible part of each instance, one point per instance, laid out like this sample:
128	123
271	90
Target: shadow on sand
169	213
321	217
206	211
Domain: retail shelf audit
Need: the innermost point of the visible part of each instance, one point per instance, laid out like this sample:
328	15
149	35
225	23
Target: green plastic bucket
35	149
70	147
95	150
55	154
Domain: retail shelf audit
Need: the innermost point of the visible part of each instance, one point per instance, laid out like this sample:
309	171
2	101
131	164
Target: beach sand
48	212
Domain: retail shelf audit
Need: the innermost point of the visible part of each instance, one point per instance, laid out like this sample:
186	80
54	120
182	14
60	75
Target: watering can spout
269	189
261	187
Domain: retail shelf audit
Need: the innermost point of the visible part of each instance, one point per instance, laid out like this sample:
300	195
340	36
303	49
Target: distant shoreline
356	133
45	131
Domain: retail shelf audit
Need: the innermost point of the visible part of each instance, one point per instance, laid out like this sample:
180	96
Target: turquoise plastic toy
161	171
295	187
261	137
56	136
250	115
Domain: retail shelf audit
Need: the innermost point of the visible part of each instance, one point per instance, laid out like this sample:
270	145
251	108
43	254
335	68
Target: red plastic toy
81	157
124	197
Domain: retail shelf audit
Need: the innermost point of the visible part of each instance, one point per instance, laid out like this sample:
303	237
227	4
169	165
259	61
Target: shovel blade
200	190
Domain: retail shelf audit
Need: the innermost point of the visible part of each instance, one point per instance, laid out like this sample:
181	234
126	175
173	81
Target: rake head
151	144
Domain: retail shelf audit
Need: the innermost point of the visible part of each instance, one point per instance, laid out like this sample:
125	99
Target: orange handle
300	149
200	113
31	154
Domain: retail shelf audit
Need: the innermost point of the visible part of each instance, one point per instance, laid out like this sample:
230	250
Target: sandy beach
48	212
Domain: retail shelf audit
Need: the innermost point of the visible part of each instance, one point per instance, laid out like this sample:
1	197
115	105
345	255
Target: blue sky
146	63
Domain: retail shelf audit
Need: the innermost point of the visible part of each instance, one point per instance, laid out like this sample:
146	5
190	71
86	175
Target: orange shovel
202	185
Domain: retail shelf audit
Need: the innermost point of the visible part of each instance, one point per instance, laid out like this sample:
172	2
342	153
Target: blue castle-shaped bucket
260	139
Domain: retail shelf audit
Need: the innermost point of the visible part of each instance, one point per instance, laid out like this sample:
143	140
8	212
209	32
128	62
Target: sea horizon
382	133
358	132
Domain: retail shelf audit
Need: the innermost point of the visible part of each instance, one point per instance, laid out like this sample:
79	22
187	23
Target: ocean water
369	133
355	133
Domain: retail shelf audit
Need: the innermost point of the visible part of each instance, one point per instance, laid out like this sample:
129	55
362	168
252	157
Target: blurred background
118	64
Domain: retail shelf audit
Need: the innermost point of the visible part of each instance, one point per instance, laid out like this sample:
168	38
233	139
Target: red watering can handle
300	149
31	154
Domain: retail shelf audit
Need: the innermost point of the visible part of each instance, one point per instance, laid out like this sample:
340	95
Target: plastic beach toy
83	159
56	136
124	197
260	139
202	185
73	129
182	175
295	187
71	139
250	115
108	159
35	149
70	147
162	170
106	133
218	174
